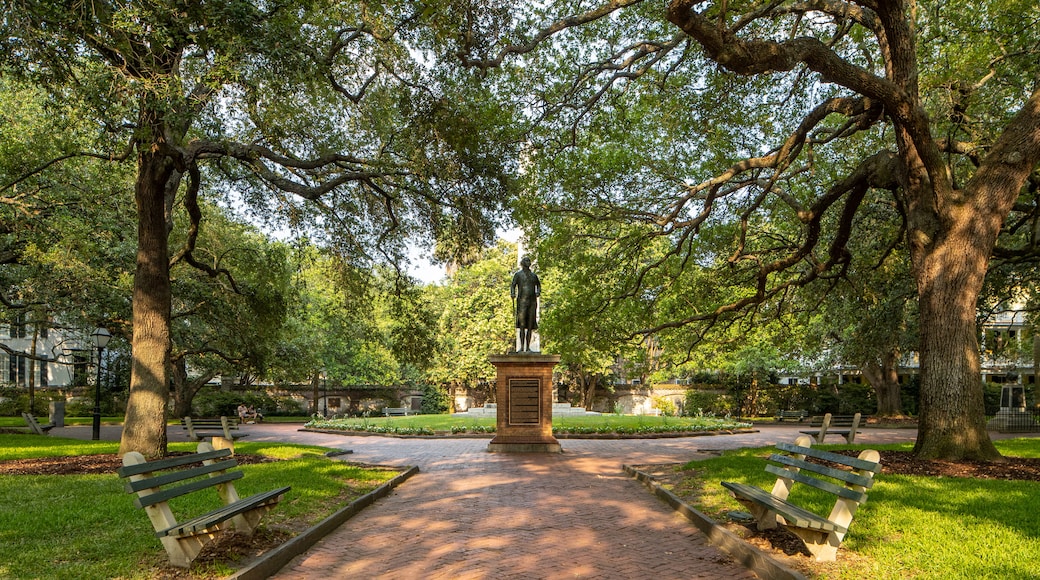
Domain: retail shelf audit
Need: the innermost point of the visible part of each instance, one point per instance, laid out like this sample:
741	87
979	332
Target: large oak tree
754	136
323	111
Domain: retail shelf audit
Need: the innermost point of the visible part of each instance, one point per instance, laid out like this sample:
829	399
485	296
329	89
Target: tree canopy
328	113
708	166
745	153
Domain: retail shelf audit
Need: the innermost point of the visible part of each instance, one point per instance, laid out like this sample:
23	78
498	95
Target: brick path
470	514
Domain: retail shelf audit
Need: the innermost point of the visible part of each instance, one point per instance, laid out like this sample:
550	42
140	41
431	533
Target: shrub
666	406
708	403
435	400
217	403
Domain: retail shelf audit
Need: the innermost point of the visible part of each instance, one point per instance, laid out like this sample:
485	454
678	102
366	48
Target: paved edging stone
276	559
751	557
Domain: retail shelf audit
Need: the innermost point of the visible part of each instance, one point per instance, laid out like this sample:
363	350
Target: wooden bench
845	425
396	411
222	431
798	416
35	426
186	474
821	535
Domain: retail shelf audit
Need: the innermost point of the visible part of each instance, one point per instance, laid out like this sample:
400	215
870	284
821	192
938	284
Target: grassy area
911	526
85	526
580	424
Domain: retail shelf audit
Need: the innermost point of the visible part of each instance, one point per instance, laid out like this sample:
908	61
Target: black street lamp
101	336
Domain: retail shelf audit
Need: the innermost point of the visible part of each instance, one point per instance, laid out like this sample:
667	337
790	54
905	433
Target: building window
18	326
16	370
44	373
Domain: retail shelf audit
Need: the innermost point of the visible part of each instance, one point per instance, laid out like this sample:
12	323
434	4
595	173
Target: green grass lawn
583	424
911	526
85	526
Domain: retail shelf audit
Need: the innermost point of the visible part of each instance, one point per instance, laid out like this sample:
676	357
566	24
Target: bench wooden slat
170	462
226	427
843	475
172	492
787	415
818	483
833	425
181	475
853	462
206	521
795	516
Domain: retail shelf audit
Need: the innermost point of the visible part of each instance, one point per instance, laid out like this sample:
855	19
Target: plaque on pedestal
524	389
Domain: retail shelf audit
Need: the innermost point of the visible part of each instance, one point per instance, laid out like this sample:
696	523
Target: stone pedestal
524	390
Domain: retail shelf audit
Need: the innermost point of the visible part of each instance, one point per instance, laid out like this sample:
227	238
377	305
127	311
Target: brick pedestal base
524	390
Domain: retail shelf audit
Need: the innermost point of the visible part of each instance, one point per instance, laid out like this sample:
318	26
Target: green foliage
667	407
699	402
475	319
215	403
15	401
435	399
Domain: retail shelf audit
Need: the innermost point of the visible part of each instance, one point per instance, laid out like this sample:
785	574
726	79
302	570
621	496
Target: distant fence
1027	421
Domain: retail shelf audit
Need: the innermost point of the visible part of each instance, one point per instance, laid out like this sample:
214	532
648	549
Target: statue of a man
525	290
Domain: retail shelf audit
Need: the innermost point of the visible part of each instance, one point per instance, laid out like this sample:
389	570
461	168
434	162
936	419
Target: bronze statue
525	290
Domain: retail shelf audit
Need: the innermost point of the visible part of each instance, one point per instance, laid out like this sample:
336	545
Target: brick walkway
470	514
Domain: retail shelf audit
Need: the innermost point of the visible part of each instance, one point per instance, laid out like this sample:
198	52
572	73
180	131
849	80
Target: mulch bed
87	464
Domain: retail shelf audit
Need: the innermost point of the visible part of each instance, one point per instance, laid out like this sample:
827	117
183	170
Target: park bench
223	431
821	535
157	482
845	425
396	411
798	416
35	426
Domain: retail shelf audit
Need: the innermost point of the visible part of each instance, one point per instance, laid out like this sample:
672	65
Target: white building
60	360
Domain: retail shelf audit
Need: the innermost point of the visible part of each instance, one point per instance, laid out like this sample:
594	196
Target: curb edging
274	560
751	557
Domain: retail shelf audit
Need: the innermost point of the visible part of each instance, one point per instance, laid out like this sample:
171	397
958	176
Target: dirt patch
87	464
785	547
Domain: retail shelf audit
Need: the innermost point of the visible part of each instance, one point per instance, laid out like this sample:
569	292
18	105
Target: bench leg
247	522
822	545
223	443
182	551
764	517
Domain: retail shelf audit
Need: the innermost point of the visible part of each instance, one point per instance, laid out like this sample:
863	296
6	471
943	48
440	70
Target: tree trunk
884	377
315	379
144	429
32	368
182	390
179	389
949	276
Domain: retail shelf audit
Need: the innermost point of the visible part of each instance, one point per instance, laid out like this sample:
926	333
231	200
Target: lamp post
101	336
